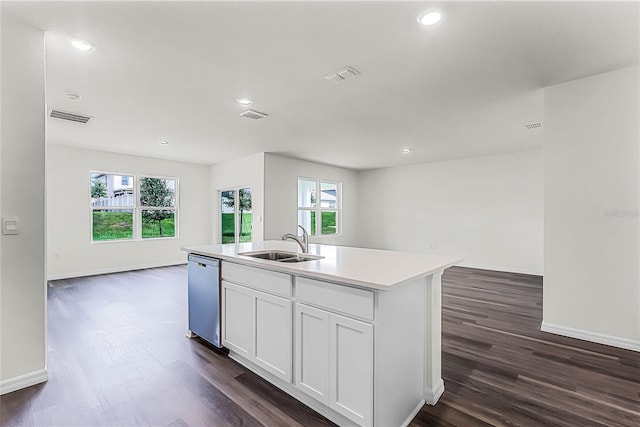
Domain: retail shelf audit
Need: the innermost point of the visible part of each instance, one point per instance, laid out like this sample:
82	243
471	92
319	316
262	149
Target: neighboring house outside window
122	211
319	206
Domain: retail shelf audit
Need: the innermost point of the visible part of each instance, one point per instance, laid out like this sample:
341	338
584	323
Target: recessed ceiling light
163	142
406	150
82	45
245	101
429	18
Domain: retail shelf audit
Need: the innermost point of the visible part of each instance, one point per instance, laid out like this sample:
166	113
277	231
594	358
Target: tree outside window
120	210
235	209
157	202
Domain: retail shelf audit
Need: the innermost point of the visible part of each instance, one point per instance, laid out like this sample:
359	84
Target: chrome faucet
304	243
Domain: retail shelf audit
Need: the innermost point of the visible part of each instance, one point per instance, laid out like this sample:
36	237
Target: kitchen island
353	333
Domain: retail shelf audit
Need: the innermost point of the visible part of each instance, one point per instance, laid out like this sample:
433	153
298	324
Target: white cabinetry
272	334
257	325
236	325
312	352
351	368
334	361
355	355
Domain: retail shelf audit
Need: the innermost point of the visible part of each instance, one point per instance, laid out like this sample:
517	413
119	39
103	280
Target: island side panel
433	383
399	353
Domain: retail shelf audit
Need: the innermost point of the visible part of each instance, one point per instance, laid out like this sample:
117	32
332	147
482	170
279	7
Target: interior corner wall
281	203
234	174
22	193
487	210
592	193
70	252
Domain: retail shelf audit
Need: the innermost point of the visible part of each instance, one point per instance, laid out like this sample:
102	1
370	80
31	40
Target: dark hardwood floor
499	369
118	355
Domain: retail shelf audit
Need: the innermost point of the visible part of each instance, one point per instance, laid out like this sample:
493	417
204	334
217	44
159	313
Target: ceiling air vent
340	76
252	114
57	114
533	125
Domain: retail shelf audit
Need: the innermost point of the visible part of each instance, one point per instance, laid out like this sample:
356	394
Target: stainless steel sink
281	256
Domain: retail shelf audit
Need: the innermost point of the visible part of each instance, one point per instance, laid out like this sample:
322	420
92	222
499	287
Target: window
112	207
157	204
319	206
236	223
120	211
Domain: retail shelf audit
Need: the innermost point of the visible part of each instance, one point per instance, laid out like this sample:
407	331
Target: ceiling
465	87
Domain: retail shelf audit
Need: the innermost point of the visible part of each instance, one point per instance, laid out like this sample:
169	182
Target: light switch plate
10	225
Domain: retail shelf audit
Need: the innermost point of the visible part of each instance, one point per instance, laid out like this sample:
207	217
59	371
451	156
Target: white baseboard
71	275
413	414
591	336
23	381
431	396
503	269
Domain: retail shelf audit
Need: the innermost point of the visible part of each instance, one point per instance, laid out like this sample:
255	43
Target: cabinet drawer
257	278
344	299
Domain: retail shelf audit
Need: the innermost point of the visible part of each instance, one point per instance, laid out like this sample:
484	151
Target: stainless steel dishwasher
204	298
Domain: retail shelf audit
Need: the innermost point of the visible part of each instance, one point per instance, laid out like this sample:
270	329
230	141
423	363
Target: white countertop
366	268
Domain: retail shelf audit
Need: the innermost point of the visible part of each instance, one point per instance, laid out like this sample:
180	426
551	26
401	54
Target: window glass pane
158	223
112	224
328	195
157	192
329	222
307	219
110	190
244	214
228	217
306	193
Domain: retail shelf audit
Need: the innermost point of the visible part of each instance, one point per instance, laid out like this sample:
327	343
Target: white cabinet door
334	362
312	352
272	348
351	368
237	321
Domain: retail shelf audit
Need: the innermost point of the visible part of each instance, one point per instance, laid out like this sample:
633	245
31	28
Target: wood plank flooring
500	369
118	356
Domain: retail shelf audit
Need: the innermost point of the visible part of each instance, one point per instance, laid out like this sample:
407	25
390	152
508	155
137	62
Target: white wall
592	186
70	252
239	173
22	193
485	209
281	197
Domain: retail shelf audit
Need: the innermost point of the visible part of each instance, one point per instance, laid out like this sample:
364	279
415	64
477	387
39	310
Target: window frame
236	213
319	209
141	208
136	208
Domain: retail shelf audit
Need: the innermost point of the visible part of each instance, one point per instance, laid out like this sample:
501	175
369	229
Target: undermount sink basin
281	256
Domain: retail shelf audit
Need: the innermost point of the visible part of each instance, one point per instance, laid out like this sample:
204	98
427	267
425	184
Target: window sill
101	242
324	236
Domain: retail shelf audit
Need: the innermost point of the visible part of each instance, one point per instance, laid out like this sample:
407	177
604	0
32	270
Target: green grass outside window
112	225
228	228
119	226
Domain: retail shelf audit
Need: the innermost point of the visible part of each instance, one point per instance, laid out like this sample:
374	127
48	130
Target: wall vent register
65	115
